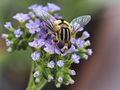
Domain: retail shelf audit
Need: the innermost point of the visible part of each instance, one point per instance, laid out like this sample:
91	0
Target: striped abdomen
65	34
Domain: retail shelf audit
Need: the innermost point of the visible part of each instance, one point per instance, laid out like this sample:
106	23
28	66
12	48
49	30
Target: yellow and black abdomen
64	34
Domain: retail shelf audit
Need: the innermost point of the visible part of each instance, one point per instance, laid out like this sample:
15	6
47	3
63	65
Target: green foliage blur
20	61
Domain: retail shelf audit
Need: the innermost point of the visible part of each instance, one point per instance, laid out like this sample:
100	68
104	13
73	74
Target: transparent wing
80	22
45	16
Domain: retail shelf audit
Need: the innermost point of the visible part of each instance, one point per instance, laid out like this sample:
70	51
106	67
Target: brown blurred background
100	72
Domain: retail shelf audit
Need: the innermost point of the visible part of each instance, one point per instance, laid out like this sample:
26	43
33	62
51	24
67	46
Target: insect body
63	30
63	35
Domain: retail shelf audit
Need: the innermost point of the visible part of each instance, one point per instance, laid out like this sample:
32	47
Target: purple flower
35	55
60	63
43	24
21	17
72	72
32	7
49	48
18	33
60	79
71	50
8	43
57	16
51	64
4	36
37	43
52	7
73	40
35	7
80	43
33	26
42	34
45	8
8	25
89	51
31	14
75	58
85	35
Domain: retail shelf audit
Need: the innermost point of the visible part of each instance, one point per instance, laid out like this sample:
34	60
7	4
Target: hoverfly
63	30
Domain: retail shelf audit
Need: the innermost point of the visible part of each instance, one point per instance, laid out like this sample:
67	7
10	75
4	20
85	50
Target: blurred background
100	72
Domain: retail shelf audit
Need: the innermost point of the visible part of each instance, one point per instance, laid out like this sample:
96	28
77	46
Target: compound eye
61	44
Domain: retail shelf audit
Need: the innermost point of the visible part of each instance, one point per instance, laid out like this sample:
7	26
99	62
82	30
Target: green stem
31	83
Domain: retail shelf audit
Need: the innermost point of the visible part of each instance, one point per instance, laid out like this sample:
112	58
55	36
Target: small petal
60	63
8	43
73	40
75	58
72	72
51	64
52	7
89	51
85	35
80	43
71	50
21	17
49	48
35	55
60	79
33	26
18	33
8	25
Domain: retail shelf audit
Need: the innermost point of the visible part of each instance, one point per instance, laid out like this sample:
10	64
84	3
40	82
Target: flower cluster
50	63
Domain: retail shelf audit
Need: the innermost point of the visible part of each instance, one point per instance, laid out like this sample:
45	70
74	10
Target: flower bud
72	72
50	78
9	49
58	85
36	74
60	79
71	81
37	80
